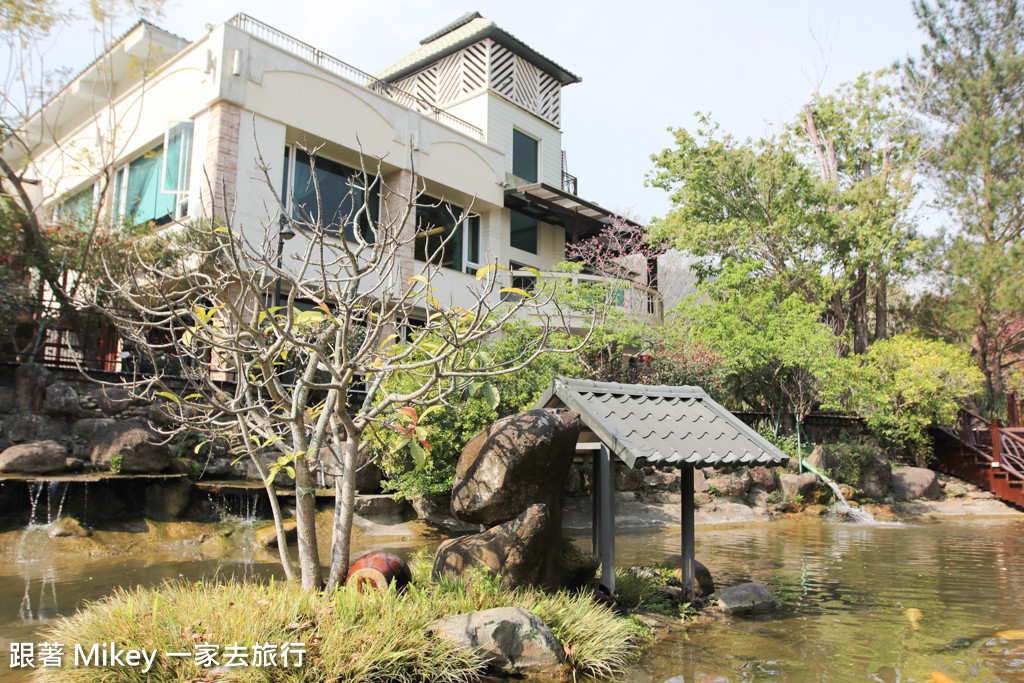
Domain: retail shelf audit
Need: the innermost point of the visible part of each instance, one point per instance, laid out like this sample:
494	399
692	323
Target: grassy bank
348	636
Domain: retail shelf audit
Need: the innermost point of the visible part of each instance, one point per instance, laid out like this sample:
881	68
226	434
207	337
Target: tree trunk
275	508
859	309
344	511
979	349
882	306
305	517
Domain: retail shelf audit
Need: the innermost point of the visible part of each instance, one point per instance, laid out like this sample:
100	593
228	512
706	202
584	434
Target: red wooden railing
985	452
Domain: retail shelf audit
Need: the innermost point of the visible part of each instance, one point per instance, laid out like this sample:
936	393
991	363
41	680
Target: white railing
279	39
640	300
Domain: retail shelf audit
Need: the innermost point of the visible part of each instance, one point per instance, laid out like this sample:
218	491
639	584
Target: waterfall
35	490
841	508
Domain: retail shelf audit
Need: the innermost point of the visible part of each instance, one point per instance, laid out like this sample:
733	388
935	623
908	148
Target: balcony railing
294	46
640	300
569	183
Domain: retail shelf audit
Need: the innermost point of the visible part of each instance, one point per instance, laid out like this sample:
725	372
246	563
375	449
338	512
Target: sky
646	66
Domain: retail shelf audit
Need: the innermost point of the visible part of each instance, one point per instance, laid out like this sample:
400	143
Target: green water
844	591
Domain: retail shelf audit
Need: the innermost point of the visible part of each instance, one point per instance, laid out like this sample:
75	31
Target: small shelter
653	425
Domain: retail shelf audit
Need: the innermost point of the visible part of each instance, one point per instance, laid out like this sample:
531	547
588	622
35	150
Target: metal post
686	491
606	520
595	502
284	232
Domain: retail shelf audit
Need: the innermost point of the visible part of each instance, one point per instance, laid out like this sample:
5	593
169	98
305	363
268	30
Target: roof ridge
457	24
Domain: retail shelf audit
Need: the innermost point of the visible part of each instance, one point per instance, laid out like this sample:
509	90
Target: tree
865	146
282	376
971	72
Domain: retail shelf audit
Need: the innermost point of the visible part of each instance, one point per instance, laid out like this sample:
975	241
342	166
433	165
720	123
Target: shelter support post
604	480
686	491
595	503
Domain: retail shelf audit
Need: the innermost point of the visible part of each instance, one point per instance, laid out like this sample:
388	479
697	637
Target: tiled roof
465	31
647	425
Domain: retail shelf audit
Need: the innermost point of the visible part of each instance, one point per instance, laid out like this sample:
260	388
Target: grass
348	636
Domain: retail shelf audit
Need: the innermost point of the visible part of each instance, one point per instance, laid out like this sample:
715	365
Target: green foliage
903	385
450	427
787	443
116	462
854	459
635	590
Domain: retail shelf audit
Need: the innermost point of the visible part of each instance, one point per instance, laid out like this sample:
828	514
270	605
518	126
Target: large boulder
30	382
628	479
82	432
764	477
704	583
61	400
518	461
511	640
746	598
38	457
910	483
32	427
823	459
877	479
730	485
113	400
7	400
129	447
527	550
803	485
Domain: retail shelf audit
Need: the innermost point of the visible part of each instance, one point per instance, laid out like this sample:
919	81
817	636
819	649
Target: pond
857	602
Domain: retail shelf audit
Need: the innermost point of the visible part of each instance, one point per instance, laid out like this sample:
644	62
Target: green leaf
491	395
419	455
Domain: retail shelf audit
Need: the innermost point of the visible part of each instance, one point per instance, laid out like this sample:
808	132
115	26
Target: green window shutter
145	202
524	156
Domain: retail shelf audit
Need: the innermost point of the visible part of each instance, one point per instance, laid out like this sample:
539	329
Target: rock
62	400
73	465
730	485
757	497
910	483
368	472
267	536
746	598
703	581
130	447
217	468
518	461
668	480
700	481
847	491
113	400
574	482
793	485
527	550
68	527
510	639
32	427
628	479
380	505
166	500
823	459
7	400
38	457
764	477
30	382
877	479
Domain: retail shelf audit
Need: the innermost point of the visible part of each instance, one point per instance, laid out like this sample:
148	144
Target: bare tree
281	376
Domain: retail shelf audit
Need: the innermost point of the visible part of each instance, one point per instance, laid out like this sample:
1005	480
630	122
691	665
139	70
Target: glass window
343	200
143	199
525	281
523	232
77	209
524	156
437	221
177	162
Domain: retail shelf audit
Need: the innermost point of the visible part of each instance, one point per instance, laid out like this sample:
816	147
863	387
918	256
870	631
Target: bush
903	385
855	457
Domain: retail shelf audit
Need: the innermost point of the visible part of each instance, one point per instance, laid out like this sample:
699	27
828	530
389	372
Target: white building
474	111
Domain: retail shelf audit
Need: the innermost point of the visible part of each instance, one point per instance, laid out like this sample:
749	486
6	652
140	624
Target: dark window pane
524	156
523	230
341	202
434	223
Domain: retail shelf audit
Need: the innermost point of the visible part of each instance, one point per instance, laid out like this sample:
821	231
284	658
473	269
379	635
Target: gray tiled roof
662	425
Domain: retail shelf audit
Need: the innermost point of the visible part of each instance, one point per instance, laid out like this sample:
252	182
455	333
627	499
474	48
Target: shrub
904	384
